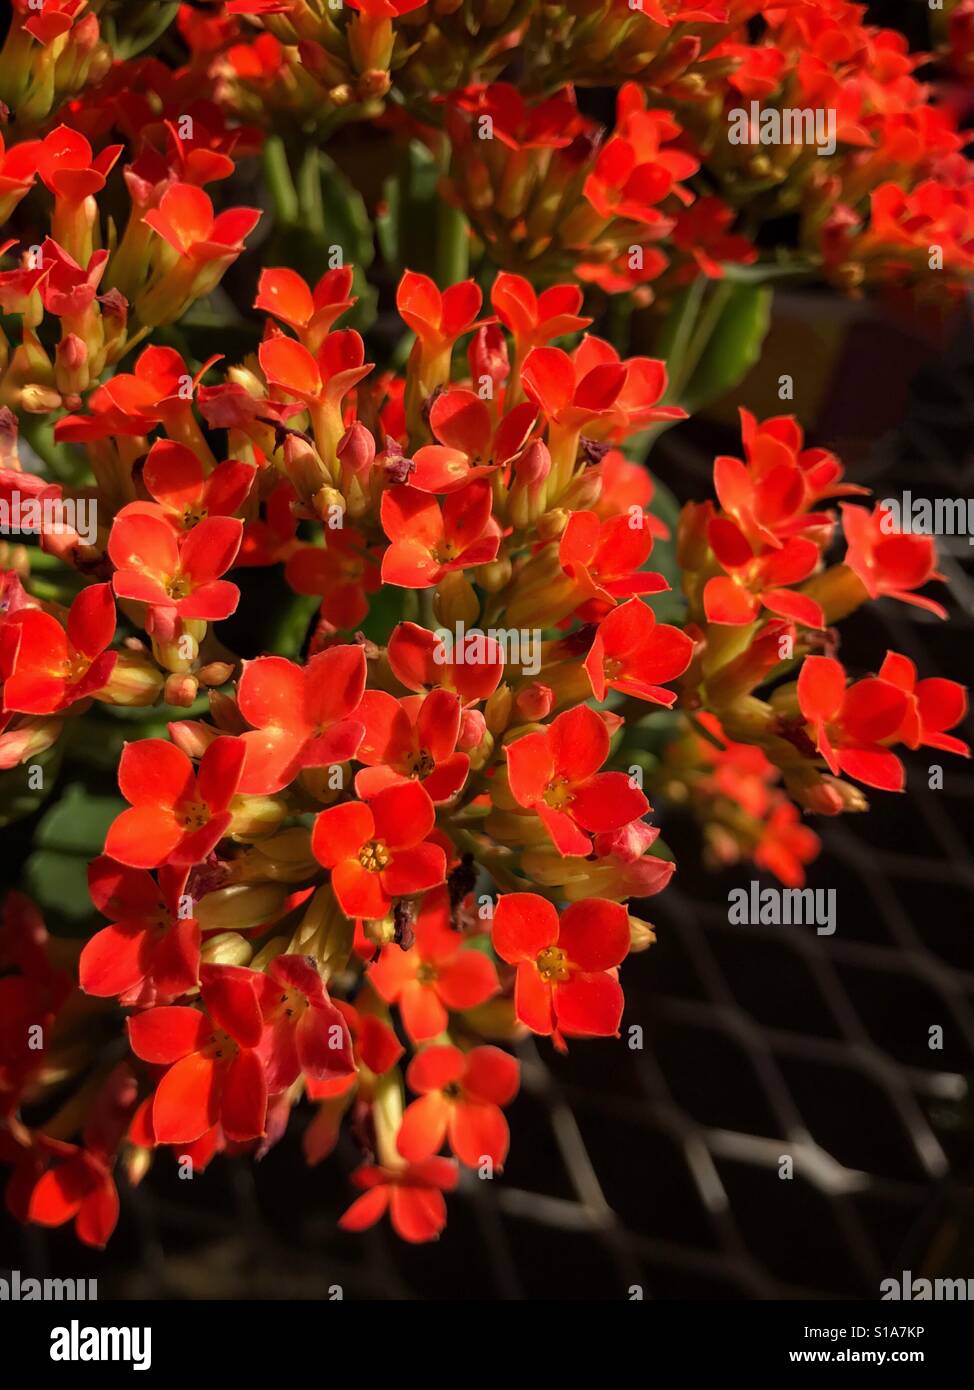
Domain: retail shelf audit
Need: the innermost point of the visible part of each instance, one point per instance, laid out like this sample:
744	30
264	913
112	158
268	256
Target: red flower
154	567
851	724
934	706
438	319
426	542
134	403
786	845
633	653
439	973
214	1073
69	289
770	494
605	559
412	1196
889	563
283	293
461	1095
418	659
302	716
644	384
150	952
175	816
174	477
184	218
378	850
80	1188
566	983
551	124
568	397
758	581
534	319
304	1033
411	738
323	379
555	774
57	18
18	169
468	446
66	164
54	668
343	571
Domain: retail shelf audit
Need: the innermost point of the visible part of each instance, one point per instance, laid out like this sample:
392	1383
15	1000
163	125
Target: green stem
707	322
676	332
452	245
309	190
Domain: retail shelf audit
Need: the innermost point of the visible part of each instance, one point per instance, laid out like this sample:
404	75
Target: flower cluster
359	850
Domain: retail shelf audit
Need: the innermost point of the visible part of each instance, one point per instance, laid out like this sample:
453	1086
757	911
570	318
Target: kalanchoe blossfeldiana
387	544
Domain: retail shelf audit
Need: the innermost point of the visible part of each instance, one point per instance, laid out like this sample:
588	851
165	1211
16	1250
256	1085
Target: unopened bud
498	710
253	817
135	681
535	701
495	576
473	726
356	449
551	524
192	736
226	948
454	601
642	935
181	690
215	673
241	906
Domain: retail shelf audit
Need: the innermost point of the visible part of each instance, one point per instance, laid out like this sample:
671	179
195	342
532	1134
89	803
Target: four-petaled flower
566	982
378	850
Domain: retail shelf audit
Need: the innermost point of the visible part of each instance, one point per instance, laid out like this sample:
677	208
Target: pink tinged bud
181	690
192	736
487	355
85	34
72	352
628	843
29	741
356	449
533	466
473	727
535	701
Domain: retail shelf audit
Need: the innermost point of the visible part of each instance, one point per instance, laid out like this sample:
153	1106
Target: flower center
192	815
552	964
421	763
426	973
178	586
374	856
558	795
221	1046
193	514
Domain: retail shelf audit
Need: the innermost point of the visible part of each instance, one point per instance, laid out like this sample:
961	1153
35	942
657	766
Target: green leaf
731	343
56	874
17	798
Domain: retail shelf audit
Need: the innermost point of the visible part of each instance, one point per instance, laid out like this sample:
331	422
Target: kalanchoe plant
331	554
